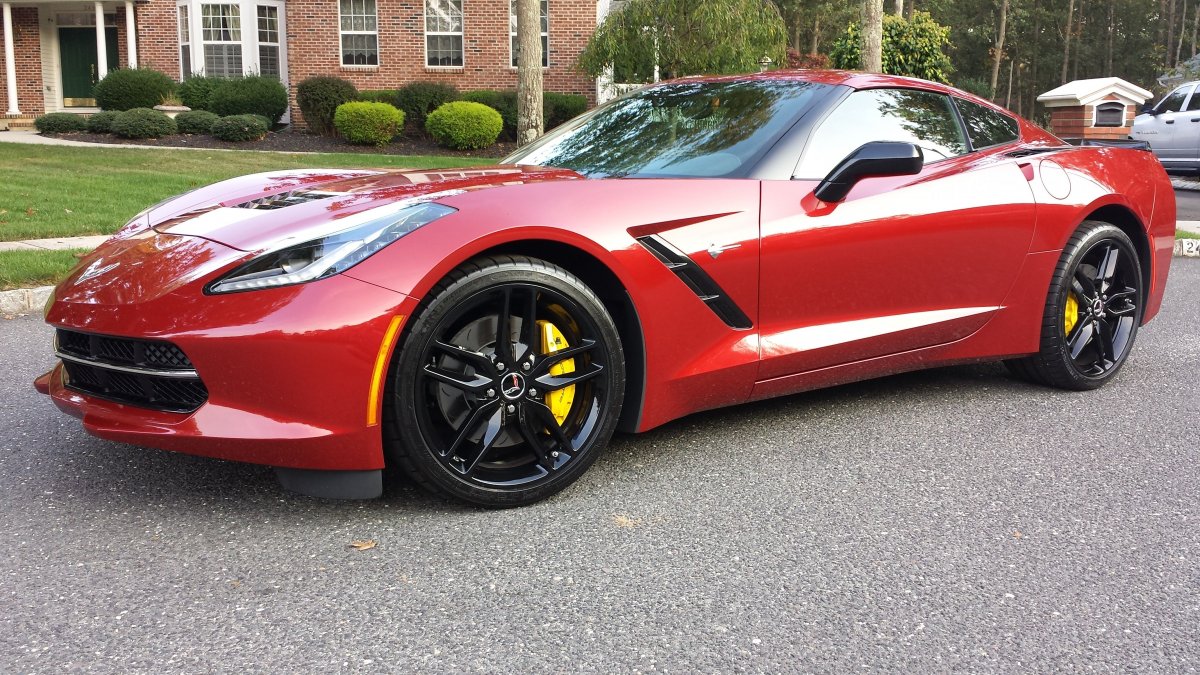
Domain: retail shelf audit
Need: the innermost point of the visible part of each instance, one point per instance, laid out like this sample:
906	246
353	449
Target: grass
55	191
26	269
1184	234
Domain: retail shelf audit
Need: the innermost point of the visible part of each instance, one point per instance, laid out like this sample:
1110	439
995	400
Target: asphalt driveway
950	519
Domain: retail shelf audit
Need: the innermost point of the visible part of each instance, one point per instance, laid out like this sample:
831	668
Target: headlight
332	253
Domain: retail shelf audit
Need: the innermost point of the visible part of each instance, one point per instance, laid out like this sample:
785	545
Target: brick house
55	50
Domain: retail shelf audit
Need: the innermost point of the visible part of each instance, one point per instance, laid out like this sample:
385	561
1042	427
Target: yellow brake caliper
553	340
1070	313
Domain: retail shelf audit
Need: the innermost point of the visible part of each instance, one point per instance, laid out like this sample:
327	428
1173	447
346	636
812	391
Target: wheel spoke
481	363
1083	287
472	384
1104	343
546	417
550	360
494	424
530	431
555	382
477	416
1081	336
529	331
504	346
1106	268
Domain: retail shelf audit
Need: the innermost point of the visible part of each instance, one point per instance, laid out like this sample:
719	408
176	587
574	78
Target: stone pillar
10	61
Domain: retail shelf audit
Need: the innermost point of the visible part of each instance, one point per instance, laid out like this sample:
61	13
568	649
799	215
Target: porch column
130	34
10	62
101	47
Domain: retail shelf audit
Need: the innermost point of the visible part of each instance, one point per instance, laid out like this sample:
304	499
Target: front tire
508	385
1092	313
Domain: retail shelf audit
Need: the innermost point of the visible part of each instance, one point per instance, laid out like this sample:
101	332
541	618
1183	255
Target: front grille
147	373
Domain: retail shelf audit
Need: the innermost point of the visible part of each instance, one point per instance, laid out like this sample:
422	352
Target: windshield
688	129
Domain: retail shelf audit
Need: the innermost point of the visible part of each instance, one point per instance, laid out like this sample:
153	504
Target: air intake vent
147	373
698	280
286	199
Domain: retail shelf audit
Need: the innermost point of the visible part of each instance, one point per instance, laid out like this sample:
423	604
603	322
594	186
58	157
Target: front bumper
290	372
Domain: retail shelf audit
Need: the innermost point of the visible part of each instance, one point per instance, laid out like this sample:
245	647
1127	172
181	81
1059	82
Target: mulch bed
296	141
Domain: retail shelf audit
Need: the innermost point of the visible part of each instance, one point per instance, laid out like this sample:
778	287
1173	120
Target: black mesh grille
100	376
286	199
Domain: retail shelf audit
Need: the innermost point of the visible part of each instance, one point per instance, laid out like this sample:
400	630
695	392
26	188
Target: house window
222	36
268	41
360	36
444	33
512	30
185	42
1110	114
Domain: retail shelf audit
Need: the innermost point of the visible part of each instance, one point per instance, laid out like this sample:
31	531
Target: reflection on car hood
251	216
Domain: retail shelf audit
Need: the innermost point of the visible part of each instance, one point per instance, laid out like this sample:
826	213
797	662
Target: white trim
101	44
462	34
1084	92
10	62
1124	115
130	35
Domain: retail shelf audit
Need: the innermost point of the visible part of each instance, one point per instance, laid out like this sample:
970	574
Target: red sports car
699	243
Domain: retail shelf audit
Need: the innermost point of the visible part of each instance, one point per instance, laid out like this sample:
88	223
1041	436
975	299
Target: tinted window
920	117
985	126
689	129
1194	103
1174	101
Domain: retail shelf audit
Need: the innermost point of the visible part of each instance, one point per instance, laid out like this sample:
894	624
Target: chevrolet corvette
699	243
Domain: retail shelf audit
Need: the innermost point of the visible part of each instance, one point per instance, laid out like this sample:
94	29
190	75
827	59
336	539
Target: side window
1174	101
986	127
920	117
1193	103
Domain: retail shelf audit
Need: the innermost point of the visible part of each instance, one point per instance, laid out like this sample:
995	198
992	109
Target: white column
101	46
130	34
10	62
249	9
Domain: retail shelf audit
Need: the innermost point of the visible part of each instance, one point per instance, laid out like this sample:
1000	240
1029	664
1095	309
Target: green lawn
54	191
1184	234
26	269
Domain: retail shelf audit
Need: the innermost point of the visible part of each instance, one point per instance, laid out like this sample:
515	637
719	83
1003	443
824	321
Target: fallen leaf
1017	534
68	210
622	520
29	211
363	544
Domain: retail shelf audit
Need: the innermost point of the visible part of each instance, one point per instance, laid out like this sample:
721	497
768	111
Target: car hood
253	213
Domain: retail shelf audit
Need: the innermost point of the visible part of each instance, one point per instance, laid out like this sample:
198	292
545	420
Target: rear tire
504	422
1093	310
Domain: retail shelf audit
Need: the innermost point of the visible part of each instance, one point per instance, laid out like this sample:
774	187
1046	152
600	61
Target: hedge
418	99
196	91
368	123
143	123
319	98
60	123
196	121
255	95
101	122
129	88
239	128
464	125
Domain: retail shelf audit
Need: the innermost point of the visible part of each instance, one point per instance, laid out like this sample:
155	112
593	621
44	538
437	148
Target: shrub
368	123
387	96
101	122
916	47
129	88
196	121
558	108
239	128
143	123
60	123
419	99
319	97
255	95
503	102
196	91
464	125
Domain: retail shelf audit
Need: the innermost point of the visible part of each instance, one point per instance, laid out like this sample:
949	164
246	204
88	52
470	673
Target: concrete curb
1187	248
24	300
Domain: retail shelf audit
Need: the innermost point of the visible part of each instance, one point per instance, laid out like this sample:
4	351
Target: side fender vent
697	280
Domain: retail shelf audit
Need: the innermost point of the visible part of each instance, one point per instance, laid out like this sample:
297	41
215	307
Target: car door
1167	129
903	262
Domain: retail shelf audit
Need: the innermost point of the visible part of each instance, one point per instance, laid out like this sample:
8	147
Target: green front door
77	54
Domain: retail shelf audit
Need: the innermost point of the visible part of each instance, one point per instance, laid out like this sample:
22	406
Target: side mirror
1147	109
877	158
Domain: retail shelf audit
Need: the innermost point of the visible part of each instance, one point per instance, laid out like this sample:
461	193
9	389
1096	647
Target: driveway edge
24	300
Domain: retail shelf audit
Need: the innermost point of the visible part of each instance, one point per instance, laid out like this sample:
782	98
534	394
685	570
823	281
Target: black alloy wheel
1092	312
508	384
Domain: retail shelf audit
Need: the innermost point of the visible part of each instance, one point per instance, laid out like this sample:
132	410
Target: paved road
949	519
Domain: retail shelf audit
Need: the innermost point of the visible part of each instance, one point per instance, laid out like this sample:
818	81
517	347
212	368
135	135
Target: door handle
1196	119
1169	121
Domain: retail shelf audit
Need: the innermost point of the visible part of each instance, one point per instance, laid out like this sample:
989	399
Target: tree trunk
816	41
1170	30
1108	48
529	71
1078	40
1182	25
872	36
1195	27
1008	98
998	51
899	8
1067	38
